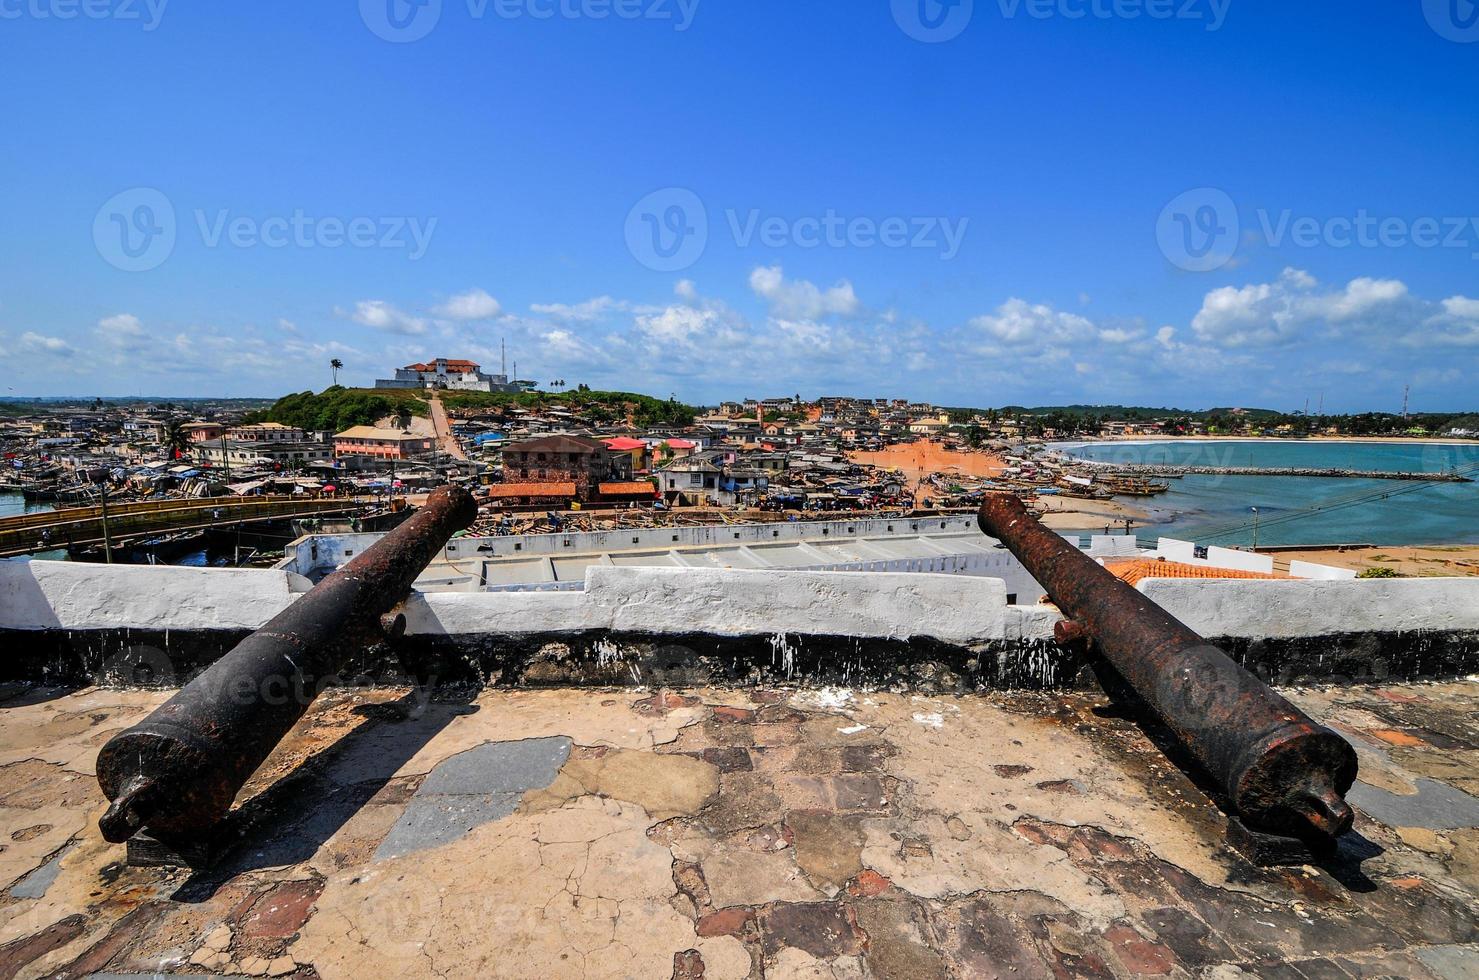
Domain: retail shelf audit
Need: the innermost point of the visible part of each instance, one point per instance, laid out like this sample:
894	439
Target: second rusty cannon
176	773
1283	772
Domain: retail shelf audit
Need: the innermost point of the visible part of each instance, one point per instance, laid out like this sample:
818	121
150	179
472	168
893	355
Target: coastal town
553	458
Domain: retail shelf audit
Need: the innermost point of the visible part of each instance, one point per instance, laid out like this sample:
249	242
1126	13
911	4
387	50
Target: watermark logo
933	21
1198	231
400	21
147	12
1453	20
403	21
135	230
668	229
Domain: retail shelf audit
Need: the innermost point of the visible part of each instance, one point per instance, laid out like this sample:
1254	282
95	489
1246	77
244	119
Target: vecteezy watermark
1453	20
137	230
934	21
1200	230
404	21
668	230
147	12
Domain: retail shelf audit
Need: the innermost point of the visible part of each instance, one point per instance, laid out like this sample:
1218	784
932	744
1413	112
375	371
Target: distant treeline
339	408
1090	419
598	406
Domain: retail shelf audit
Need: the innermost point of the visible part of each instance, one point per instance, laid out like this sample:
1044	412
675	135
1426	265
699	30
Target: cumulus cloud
35	343
381	315
586	312
1295	306
475	304
800	299
1017	323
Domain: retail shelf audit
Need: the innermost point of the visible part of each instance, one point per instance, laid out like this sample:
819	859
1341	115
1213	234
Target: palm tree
336	364
175	439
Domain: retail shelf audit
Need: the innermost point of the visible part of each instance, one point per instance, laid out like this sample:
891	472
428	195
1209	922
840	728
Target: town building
266	432
553	466
368	440
246	453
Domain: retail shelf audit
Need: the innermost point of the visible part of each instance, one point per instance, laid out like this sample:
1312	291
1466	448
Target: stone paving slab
741	833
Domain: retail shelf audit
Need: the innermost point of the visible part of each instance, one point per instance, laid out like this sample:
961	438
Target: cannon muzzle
1282	771
177	772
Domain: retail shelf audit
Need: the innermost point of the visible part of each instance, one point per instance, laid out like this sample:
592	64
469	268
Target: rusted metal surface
177	772
1281	770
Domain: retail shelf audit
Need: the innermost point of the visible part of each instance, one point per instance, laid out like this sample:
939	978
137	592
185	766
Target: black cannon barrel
177	772
1282	771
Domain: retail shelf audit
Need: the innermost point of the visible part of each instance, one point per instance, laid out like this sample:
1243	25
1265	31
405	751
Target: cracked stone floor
740	833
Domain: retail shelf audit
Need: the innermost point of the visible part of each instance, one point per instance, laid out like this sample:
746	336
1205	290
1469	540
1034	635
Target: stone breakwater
1163	470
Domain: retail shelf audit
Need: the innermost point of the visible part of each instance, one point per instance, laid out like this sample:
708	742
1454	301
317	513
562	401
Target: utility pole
1255	528
1406	390
107	538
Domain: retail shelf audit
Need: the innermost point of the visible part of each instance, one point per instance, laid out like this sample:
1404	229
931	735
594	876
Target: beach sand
1073	514
918	460
1431	561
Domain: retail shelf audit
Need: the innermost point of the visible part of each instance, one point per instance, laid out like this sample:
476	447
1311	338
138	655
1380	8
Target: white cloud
35	343
685	289
383	316
475	304
800	299
120	327
586	312
1294	308
1017	323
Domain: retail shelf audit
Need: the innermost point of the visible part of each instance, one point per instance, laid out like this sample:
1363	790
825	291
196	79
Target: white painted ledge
40	595
1265	608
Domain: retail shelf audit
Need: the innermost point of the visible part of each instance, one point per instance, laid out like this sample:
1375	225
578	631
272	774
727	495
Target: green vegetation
599	406
339	408
1380	573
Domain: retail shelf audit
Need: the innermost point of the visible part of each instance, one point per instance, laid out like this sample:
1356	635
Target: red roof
624	444
636	488
500	491
680	444
451	366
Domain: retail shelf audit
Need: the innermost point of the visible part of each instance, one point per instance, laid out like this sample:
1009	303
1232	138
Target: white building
453	375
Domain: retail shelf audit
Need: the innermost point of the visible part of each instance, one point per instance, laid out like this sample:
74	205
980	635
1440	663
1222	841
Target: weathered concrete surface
742	833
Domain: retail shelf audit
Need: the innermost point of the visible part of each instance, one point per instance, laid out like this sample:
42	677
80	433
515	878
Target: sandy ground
920	459
1071	513
1420	562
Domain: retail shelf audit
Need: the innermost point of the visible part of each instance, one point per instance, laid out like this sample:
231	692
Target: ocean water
1305	510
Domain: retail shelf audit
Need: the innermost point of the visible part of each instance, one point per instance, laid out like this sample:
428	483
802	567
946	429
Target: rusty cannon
1283	773
176	773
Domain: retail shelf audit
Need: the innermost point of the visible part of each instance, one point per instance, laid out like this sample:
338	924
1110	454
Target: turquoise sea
1304	510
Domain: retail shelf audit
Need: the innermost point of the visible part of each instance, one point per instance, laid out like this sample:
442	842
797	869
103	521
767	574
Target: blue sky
1212	202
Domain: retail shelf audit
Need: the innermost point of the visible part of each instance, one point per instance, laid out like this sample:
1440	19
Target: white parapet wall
39	595
1273	608
725	602
957	609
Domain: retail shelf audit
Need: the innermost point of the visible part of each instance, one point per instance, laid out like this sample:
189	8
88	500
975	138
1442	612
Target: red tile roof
624	444
501	491
623	489
1136	569
680	444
